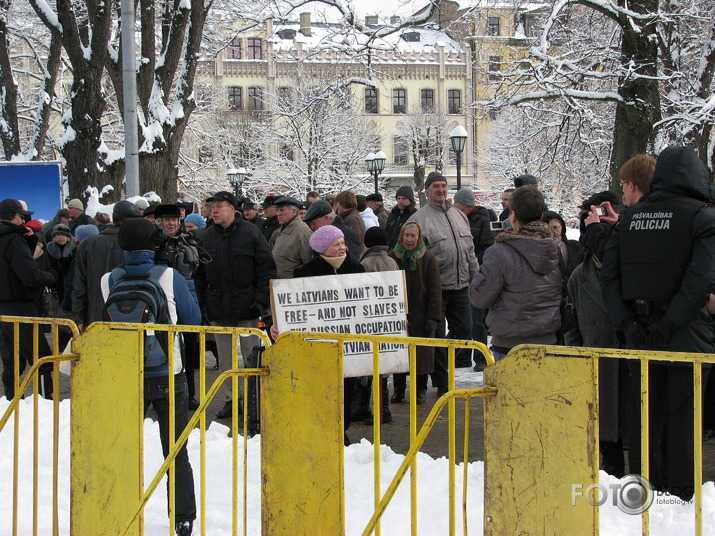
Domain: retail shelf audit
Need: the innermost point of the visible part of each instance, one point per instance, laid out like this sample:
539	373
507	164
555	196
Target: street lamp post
237	177
375	164
458	137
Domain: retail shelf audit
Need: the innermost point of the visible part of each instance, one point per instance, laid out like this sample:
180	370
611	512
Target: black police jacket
671	225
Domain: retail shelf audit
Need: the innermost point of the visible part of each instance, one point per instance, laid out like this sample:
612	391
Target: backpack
138	298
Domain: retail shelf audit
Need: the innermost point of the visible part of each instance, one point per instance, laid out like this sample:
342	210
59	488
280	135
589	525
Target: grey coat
594	329
520	283
375	259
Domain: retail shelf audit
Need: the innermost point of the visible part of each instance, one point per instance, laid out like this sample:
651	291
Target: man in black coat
399	214
97	255
270	224
233	288
21	282
658	267
77	215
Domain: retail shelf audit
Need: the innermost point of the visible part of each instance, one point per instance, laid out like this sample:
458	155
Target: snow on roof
328	36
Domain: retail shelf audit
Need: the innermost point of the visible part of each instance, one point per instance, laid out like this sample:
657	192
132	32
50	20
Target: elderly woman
424	302
331	258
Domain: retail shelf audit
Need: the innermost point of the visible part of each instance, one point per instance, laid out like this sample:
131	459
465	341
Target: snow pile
665	519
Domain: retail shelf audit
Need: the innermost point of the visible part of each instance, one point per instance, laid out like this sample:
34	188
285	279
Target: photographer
174	247
178	250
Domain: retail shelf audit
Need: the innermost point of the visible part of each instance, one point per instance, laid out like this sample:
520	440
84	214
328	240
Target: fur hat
167	211
466	197
62	229
137	234
321	239
375	197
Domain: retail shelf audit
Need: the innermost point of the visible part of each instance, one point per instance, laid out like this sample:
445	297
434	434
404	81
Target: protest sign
372	303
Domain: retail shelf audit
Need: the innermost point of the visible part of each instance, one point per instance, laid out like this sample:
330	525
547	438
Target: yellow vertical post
536	475
106	440
302	438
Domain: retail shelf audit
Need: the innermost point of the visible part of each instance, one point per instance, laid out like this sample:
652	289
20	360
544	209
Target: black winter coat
395	221
319	266
96	255
479	220
20	278
678	173
235	284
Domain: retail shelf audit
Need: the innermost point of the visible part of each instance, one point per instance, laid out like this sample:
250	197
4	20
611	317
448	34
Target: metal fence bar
376	421
698	445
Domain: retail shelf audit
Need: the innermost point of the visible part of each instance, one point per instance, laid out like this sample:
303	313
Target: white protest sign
372	303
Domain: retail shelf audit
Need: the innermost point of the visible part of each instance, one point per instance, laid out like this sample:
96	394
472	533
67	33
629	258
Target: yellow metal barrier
13	409
540	419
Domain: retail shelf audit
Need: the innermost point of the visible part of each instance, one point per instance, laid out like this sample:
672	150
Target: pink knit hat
321	239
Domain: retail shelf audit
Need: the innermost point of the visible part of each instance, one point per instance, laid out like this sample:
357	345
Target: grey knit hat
406	191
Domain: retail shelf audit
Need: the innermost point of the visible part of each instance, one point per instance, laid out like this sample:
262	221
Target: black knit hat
406	191
137	234
375	236
434	177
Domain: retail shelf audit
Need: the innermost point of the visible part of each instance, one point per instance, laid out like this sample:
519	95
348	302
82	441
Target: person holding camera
520	279
97	255
233	287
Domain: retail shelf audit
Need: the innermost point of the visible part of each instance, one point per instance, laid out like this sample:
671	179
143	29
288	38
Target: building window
235	98
399	101
255	98
399	151
454	101
371	100
206	155
493	26
233	51
494	67
254	48
427	100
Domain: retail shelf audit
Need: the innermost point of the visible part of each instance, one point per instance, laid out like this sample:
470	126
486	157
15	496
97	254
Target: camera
498	226
181	252
601	211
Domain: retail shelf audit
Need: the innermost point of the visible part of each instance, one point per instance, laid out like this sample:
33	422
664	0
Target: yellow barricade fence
540	433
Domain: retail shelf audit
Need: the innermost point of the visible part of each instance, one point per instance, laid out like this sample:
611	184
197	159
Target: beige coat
290	245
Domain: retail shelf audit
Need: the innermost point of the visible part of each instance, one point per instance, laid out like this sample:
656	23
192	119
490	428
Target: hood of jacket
536	243
680	171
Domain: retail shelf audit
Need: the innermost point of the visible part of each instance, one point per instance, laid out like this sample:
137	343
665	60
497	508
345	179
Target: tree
641	58
426	135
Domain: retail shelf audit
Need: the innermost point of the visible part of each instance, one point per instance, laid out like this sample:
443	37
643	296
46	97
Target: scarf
412	256
335	262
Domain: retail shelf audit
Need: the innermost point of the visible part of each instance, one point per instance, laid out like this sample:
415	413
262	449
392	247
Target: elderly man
250	213
321	214
168	219
448	236
77	215
233	286
270	224
374	202
290	244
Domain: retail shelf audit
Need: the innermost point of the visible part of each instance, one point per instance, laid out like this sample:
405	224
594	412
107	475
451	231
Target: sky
432	473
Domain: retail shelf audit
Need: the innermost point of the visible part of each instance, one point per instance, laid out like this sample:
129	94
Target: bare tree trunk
9	131
633	128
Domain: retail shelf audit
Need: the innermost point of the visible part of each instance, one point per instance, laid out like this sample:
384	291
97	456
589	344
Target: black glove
259	309
430	328
658	334
635	336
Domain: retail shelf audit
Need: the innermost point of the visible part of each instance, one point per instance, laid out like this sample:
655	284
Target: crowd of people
639	277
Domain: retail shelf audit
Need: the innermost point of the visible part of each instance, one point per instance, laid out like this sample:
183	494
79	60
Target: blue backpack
138	298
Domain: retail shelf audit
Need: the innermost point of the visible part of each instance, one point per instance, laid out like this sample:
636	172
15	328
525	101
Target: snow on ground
665	519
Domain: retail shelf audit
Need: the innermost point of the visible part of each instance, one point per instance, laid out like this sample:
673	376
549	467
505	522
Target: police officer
657	268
